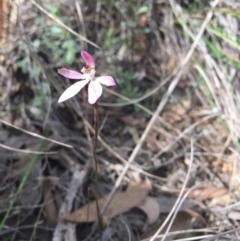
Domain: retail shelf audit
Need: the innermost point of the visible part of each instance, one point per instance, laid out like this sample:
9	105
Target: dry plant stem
66	230
34	134
27	151
95	141
81	21
160	106
178	203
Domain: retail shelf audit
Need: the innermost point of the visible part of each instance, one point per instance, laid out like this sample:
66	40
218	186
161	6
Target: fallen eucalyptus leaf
122	202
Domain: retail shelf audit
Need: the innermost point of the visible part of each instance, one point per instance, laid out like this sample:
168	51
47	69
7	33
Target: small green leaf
69	56
142	9
36	44
52	9
56	30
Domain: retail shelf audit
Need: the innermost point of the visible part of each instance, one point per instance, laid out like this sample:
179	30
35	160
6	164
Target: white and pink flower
87	76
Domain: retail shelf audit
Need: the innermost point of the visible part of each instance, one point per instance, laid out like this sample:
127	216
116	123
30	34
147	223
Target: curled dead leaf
151	208
184	220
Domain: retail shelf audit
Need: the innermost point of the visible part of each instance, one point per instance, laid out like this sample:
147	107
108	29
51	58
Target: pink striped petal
106	80
71	74
72	90
94	91
88	59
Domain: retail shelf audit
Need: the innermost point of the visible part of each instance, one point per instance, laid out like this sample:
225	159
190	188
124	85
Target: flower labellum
87	76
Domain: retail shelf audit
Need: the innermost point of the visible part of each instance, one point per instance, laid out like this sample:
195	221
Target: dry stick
160	107
64	229
215	237
177	203
27	151
80	16
96	117
199	230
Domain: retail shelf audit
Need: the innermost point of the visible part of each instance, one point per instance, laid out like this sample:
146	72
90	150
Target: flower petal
88	59
71	74
94	91
106	80
72	90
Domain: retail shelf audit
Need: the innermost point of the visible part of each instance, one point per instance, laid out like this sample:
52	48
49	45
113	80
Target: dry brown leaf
185	219
49	207
122	202
207	193
151	208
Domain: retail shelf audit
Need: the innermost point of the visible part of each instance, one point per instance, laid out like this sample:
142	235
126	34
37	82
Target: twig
27	151
35	135
215	237
178	202
77	181
80	16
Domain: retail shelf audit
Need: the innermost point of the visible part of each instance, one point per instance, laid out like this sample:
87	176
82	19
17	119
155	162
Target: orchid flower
87	76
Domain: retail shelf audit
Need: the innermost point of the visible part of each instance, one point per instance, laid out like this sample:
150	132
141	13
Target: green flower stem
96	120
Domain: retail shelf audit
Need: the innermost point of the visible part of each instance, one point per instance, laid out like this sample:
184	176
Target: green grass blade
22	183
224	36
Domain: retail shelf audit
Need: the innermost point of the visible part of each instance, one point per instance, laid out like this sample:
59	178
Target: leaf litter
142	49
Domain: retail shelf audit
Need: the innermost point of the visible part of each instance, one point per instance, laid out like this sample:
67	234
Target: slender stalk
95	141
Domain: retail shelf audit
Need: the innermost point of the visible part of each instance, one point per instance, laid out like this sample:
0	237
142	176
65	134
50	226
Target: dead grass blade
28	151
34	134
